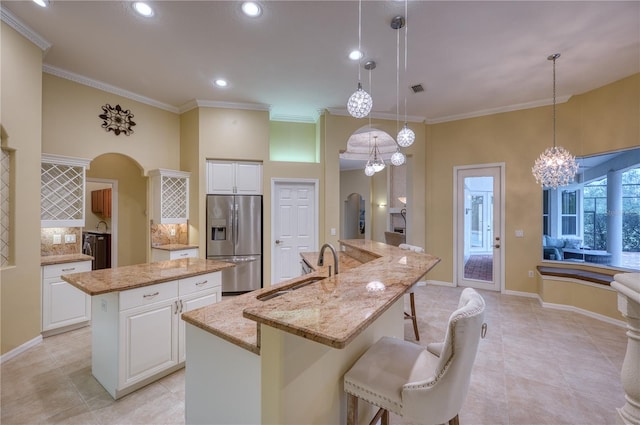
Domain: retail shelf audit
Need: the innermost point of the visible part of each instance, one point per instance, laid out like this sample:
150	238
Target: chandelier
375	164
360	102
556	166
397	22
406	136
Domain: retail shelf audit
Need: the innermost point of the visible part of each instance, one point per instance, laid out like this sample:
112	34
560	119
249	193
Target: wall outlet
57	239
333	231
70	238
530	273
172	231
519	233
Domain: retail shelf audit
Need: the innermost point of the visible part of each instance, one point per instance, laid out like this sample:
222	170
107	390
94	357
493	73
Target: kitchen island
137	335
277	355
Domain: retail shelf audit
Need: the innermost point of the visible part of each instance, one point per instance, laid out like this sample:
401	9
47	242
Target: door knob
278	241
496	245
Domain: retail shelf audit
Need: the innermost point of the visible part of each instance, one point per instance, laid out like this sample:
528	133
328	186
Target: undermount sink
289	288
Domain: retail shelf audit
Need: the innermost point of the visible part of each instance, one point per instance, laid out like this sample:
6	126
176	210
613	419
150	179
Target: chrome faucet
335	257
106	226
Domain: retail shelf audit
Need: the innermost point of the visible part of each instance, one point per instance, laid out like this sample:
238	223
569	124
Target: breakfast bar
277	355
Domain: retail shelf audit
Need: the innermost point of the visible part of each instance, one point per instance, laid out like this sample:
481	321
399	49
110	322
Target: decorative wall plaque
117	120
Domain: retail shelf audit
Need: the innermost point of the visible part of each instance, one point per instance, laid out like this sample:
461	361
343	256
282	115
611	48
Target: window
597	219
569	213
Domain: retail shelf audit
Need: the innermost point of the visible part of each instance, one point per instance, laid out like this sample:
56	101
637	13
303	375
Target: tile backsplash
60	240
165	234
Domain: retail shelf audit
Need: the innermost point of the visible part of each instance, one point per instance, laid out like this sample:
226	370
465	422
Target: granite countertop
118	279
332	311
174	247
49	260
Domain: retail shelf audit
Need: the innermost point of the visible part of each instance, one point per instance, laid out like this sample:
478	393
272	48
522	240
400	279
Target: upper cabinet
101	202
234	177
62	191
170	196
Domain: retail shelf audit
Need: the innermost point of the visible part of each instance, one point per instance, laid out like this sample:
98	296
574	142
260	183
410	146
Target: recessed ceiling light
356	55
252	9
143	9
41	3
221	83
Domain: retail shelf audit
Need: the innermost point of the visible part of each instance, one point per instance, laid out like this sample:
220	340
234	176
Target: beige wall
598	121
21	109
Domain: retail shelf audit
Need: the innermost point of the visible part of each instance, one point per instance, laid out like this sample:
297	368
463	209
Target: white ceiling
472	57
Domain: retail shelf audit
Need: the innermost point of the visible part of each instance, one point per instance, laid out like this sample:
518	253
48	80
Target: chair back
438	398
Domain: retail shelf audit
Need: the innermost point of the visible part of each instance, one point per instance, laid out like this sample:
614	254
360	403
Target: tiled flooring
536	366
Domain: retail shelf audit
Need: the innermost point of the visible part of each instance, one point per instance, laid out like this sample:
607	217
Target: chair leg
414	318
381	413
385	417
352	409
454	421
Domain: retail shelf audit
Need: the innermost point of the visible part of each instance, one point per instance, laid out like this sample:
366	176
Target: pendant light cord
397	79
406	30
554	101
359	35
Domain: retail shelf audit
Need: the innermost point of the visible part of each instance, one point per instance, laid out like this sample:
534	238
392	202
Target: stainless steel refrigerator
234	234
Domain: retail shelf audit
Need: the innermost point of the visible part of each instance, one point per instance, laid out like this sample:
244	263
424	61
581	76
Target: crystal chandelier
556	166
406	136
398	158
360	102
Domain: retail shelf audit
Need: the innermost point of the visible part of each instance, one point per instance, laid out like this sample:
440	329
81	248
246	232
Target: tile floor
536	366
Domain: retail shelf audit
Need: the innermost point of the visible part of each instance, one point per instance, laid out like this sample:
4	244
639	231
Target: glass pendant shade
368	169
555	167
378	165
397	158
360	103
406	136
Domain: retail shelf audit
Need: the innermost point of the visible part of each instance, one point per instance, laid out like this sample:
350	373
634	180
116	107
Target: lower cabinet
138	335
63	306
163	254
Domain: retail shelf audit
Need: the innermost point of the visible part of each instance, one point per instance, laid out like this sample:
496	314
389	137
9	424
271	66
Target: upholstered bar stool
426	386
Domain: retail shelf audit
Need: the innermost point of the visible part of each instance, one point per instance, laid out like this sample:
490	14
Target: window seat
602	278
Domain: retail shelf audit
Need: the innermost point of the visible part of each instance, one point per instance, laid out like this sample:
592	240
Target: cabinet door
248	178
149	341
220	177
192	302
63	304
106	203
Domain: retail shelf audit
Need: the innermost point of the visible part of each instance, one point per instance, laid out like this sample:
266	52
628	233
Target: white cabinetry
138	335
233	177
163	254
62	191
170	196
63	306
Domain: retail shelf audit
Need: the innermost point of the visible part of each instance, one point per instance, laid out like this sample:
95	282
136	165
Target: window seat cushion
602	278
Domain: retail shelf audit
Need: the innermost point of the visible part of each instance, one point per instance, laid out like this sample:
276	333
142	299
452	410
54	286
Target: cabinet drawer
56	270
193	284
148	295
184	253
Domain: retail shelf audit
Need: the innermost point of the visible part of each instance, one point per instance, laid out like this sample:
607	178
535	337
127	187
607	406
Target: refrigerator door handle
235	216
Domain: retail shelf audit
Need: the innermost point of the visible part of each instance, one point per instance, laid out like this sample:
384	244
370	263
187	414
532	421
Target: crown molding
295	118
499	110
10	19
378	115
107	88
197	103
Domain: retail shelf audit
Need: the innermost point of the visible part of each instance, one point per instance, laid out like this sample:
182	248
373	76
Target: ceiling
472	58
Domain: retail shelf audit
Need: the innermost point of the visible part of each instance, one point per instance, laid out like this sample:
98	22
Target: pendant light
377	163
397	22
360	102
406	136
556	166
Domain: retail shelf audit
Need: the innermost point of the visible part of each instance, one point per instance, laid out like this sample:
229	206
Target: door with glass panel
478	227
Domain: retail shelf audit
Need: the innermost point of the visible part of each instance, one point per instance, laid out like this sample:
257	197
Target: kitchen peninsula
137	336
277	355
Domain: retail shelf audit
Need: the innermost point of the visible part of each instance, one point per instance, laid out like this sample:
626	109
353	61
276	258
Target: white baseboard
439	283
570	308
21	349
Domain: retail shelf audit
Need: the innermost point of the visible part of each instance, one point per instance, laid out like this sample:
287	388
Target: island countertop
118	279
333	310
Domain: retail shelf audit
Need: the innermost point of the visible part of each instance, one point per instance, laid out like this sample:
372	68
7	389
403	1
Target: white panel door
294	226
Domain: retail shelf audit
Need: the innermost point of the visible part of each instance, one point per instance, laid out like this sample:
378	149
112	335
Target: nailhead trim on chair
446	366
397	411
